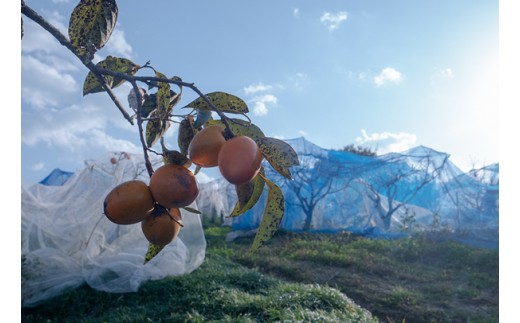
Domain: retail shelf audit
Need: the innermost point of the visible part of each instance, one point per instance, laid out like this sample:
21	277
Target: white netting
67	241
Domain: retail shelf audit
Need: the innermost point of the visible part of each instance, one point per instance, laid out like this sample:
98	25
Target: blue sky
386	74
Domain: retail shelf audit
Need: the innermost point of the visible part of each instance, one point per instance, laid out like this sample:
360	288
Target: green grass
290	279
412	279
219	291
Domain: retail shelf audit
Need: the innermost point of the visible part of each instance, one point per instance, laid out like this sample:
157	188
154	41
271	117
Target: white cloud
259	87
117	44
36	38
333	20
262	103
440	74
385	142
44	84
297	81
388	75
38	166
302	133
296	12
446	73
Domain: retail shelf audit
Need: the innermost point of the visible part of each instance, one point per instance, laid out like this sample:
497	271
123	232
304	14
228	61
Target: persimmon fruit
129	202
173	186
205	146
162	226
239	160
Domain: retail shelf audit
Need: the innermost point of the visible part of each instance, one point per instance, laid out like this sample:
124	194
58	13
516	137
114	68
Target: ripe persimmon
205	146
162	226
129	202
239	160
173	186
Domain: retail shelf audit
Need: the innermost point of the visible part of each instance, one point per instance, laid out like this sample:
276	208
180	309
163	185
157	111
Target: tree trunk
308	219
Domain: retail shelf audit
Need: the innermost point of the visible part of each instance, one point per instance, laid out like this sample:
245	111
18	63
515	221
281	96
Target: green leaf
163	97
223	101
152	251
186	134
91	24
273	214
155	129
248	194
240	128
121	65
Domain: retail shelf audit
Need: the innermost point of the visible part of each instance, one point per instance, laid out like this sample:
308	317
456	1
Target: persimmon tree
154	104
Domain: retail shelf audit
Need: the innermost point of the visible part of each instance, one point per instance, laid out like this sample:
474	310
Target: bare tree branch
34	16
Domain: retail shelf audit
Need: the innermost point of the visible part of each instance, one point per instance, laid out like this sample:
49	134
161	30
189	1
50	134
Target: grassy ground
219	291
411	280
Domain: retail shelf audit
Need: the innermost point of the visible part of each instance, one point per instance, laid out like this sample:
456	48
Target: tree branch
34	16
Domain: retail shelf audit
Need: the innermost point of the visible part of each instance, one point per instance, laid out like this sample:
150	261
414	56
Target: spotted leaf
248	194
279	154
223	101
121	65
186	134
240	128
155	129
273	214
91	24
163	97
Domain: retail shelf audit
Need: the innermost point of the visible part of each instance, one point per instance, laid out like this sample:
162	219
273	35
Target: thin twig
34	16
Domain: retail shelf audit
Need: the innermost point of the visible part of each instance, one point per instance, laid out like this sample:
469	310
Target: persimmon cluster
155	205
239	158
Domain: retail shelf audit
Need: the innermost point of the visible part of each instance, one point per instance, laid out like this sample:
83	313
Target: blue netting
56	178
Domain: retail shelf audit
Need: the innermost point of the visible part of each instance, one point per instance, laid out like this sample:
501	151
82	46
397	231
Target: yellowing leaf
121	65
223	101
152	251
91	24
273	214
248	195
279	154
163	97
